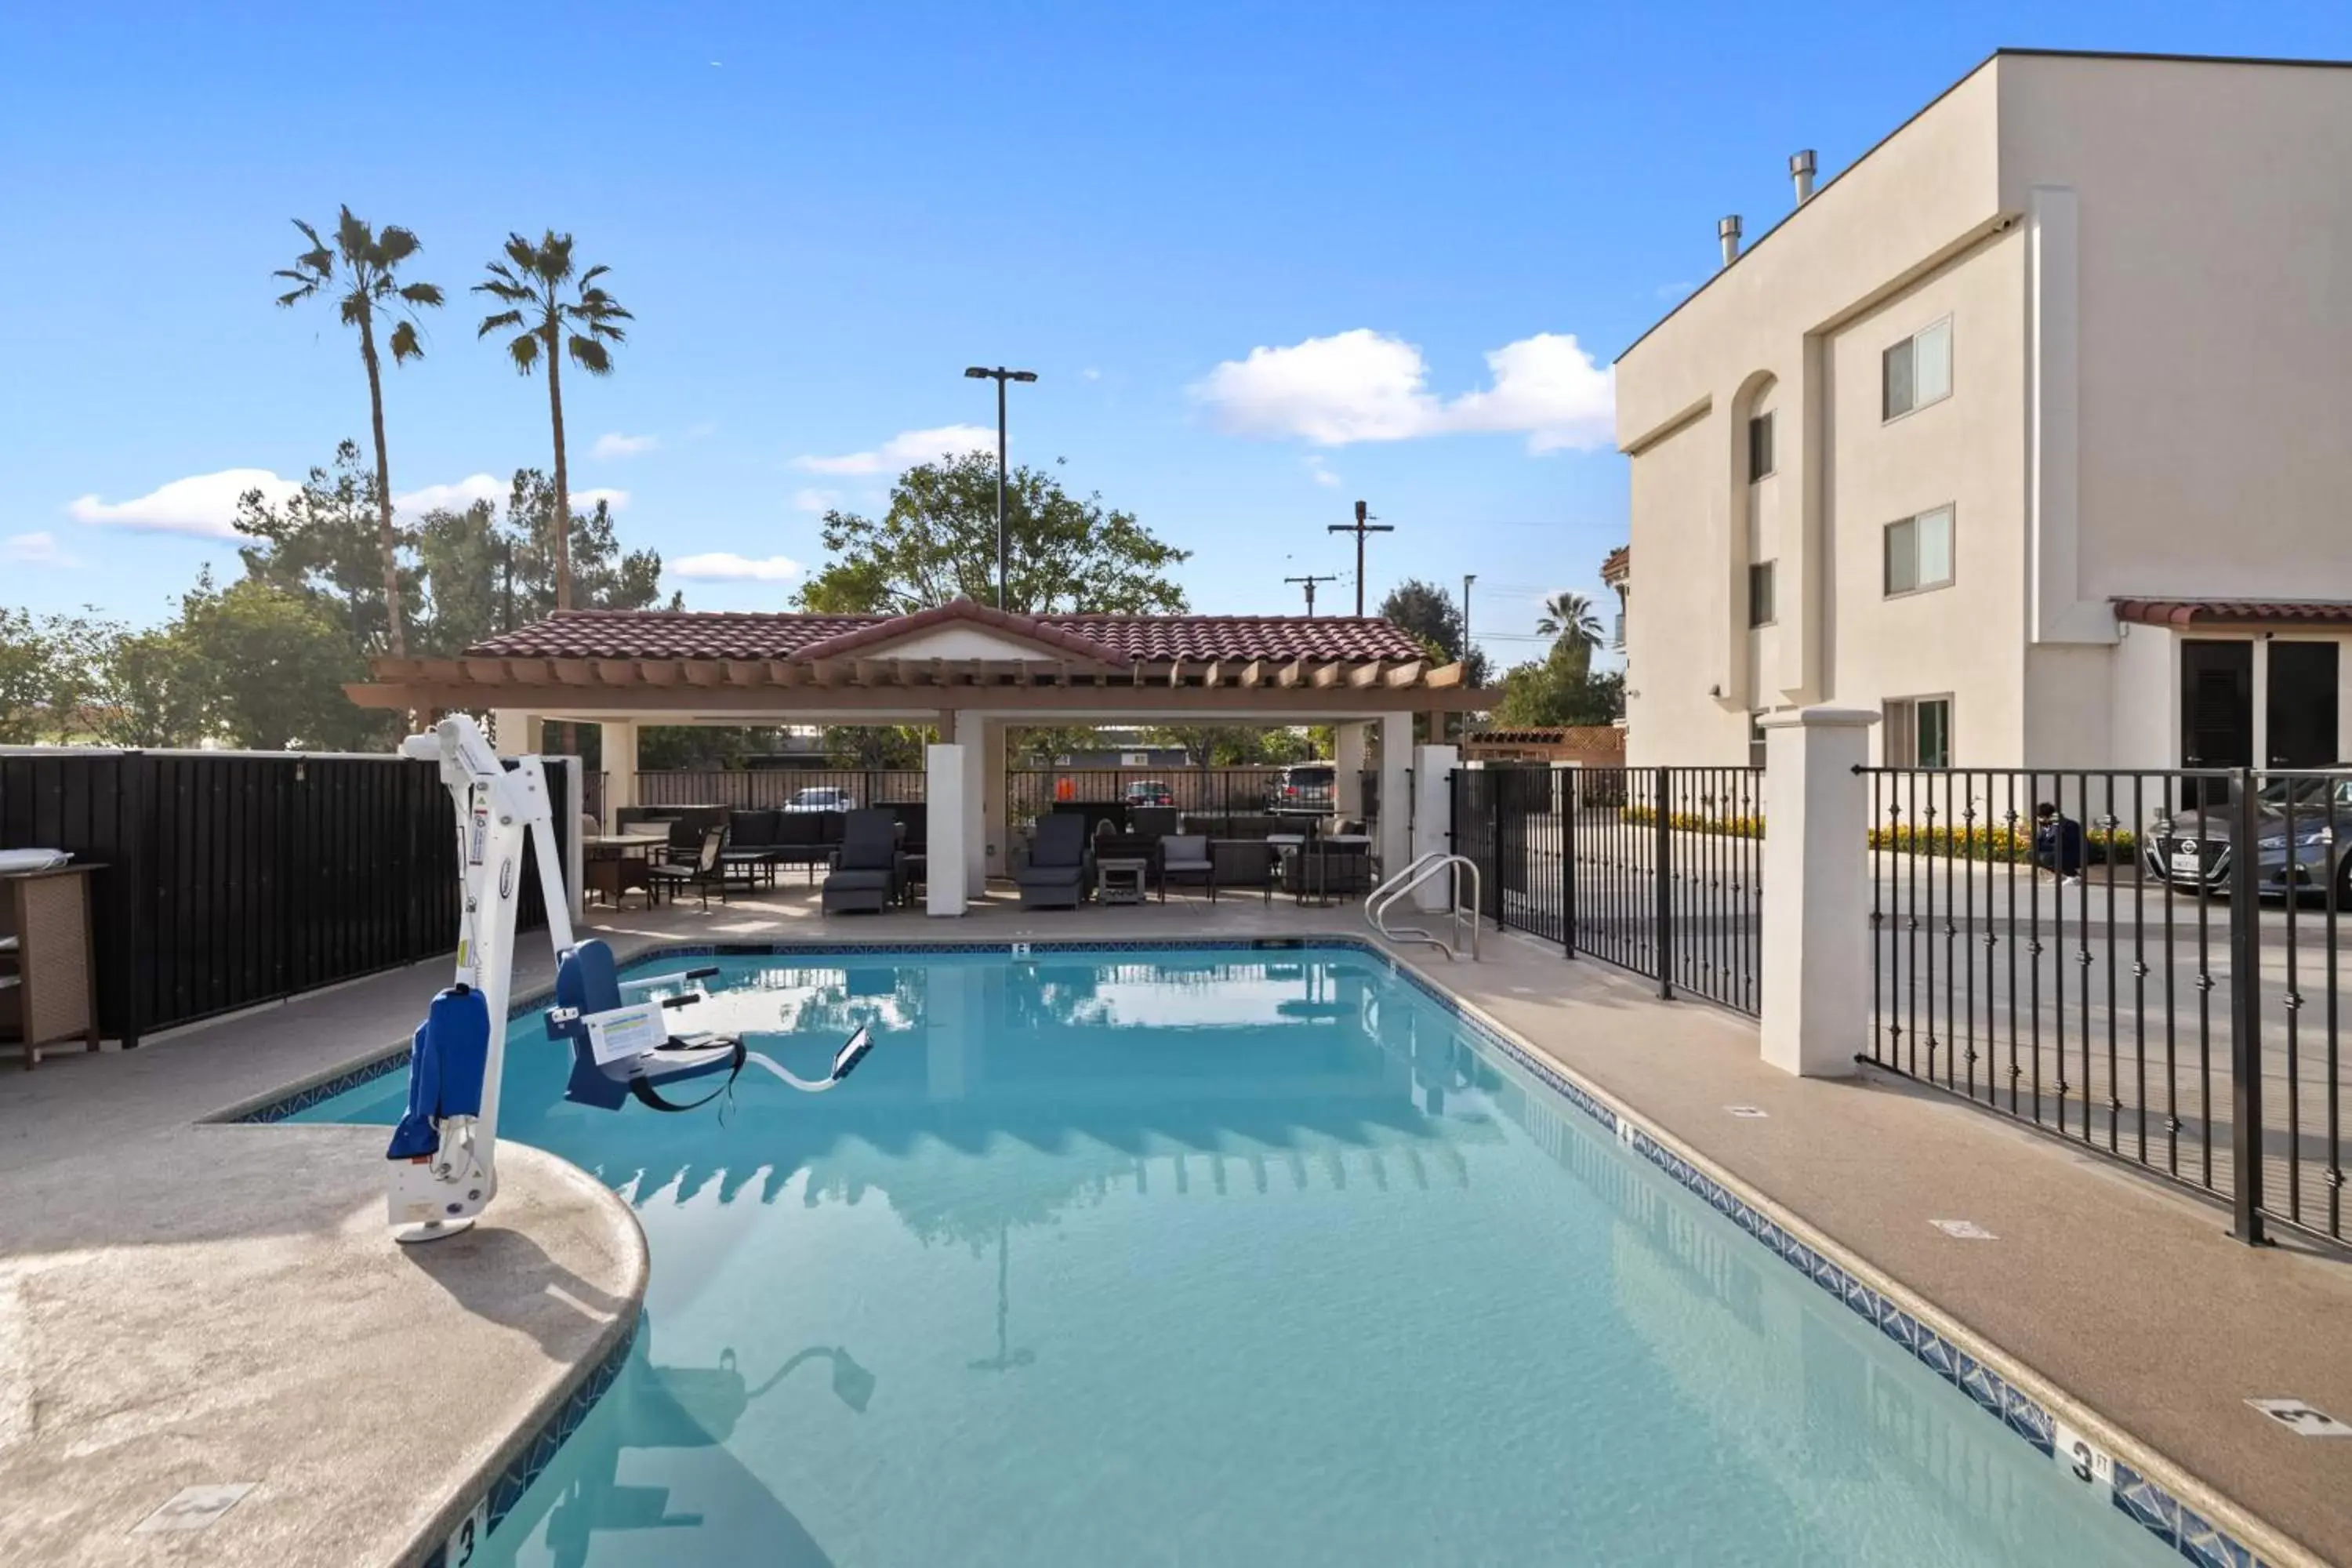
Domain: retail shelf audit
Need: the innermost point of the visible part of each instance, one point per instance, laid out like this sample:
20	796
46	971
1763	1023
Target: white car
822	798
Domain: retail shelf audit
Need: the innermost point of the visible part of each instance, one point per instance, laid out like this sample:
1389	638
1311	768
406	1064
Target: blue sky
820	214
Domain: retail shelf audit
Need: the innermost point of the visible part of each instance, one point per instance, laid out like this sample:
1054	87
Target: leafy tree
1571	622
152	691
1430	613
272	663
361	272
549	327
1237	745
327	538
603	577
876	746
937	542
1559	690
28	675
702	747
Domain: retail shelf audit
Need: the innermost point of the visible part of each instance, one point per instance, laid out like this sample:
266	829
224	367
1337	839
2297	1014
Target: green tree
327	538
937	542
271	663
152	691
361	272
1559	690
548	327
1571	622
1430	613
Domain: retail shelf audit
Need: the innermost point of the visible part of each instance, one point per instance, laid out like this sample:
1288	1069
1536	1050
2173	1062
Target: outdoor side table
48	992
1120	880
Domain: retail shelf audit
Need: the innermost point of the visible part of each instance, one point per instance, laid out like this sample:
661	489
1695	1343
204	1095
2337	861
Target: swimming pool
1216	1256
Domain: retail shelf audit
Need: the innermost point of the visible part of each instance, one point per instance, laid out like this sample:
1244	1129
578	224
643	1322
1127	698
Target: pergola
972	671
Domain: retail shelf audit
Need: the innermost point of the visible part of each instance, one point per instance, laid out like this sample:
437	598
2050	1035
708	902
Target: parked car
1309	789
1150	792
822	798
2194	849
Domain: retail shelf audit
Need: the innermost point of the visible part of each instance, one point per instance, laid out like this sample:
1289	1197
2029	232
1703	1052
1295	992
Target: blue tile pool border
2133	1494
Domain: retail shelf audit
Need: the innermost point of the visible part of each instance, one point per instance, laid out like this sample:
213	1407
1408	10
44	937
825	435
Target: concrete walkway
2124	1304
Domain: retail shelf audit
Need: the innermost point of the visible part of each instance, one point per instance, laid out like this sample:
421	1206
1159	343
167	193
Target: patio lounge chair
706	870
1055	875
1185	857
868	873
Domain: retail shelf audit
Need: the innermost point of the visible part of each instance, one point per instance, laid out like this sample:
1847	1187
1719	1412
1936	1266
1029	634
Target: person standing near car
2058	842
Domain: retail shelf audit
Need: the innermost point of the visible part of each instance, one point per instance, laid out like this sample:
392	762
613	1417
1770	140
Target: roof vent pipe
1801	169
1728	231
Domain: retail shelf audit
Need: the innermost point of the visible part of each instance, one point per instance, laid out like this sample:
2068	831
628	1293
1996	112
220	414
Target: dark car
1150	792
1306	789
2195	848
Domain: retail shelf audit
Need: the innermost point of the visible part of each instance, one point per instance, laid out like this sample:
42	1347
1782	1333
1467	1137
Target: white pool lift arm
497	809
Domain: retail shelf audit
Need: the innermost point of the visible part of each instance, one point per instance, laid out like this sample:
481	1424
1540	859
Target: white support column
996	820
1348	788
513	733
1432	813
970	734
947	877
618	741
1396	764
1816	902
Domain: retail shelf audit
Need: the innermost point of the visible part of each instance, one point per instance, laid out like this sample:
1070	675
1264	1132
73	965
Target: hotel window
1756	747
1918	733
1760	593
1919	371
1919	552
1759	448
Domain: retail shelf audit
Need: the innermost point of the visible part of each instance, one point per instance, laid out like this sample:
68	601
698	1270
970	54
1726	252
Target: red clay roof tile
2235	612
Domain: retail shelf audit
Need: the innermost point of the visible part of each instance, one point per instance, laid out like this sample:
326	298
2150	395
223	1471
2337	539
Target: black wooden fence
236	878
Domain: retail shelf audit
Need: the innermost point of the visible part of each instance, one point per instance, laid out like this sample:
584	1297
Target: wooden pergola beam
1365	675
1327	674
1405	674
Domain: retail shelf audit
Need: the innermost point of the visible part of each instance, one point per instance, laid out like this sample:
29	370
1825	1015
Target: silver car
2195	848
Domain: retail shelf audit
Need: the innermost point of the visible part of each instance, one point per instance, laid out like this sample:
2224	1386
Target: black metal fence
1215	793
234	878
776	789
2116	970
1658	870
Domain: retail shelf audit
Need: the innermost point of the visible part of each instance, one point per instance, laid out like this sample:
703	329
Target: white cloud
612	444
725	566
586	501
811	500
1090	373
35	549
1363	385
454	497
203	505
1320	472
905	449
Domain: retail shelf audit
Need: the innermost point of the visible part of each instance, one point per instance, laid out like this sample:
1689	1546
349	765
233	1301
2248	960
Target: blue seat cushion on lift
448	1059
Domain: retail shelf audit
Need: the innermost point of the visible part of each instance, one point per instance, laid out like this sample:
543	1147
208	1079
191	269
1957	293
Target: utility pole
1310	582
1361	527
1467	578
1000	375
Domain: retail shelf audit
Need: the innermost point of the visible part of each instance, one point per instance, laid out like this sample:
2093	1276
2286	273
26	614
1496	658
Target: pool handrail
1426	866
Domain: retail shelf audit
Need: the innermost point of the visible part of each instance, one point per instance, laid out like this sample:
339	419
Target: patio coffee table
1119	880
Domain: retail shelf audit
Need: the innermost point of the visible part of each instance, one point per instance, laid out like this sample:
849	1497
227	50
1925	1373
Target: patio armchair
1185	857
800	840
752	846
706	870
1055	875
869	870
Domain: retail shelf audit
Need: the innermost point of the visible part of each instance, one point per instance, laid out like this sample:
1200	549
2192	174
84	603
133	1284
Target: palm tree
361	272
531	289
1571	618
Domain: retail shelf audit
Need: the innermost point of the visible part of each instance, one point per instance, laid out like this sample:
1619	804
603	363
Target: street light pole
1000	375
1467	578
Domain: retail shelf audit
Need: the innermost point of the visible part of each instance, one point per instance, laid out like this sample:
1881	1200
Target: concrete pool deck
2125	1295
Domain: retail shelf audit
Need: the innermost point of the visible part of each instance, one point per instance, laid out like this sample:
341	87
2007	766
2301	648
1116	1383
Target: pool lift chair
443	1152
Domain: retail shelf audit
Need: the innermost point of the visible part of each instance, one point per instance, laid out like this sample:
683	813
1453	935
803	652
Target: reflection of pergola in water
969	671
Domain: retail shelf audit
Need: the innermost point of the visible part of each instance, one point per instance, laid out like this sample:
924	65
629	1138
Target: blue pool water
1216	1258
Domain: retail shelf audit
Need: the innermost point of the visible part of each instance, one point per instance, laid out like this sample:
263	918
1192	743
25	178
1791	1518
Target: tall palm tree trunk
568	738
562	479
394	616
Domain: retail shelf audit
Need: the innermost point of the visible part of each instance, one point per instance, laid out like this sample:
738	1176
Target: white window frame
1951	514
1899	742
1887	412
